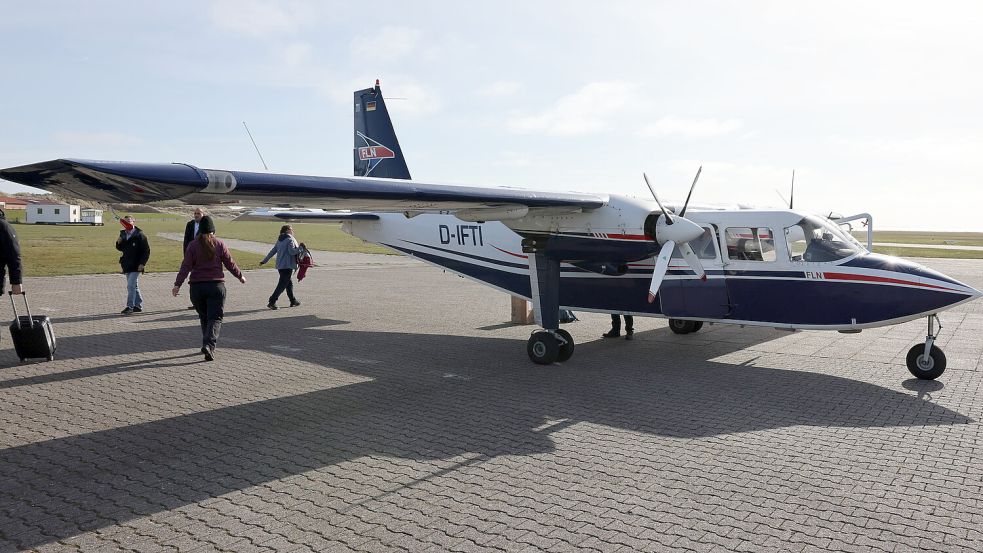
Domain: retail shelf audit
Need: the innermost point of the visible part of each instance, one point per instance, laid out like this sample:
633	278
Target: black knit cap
206	225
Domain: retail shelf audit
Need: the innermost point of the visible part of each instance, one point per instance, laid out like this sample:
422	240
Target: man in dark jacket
191	229
136	252
9	257
191	232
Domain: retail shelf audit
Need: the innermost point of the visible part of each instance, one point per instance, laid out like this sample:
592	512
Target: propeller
691	187
673	233
656	196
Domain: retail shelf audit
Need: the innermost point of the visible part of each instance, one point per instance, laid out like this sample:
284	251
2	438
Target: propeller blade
692	186
693	260
661	266
656	196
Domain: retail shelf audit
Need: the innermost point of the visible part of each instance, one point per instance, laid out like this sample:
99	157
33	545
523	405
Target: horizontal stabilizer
304	216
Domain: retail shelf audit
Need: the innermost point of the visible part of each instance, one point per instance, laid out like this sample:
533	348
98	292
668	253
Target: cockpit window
816	240
750	244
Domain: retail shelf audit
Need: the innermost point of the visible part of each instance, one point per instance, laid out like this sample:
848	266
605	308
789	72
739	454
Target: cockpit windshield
818	240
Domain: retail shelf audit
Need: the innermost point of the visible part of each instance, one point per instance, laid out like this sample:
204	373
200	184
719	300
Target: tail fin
377	152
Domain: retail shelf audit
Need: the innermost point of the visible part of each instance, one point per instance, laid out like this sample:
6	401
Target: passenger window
750	244
703	246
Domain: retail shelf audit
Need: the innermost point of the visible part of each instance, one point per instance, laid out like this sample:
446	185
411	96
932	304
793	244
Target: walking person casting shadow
203	260
286	250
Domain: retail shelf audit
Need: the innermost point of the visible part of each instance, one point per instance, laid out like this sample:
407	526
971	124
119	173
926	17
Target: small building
51	213
92	216
9	202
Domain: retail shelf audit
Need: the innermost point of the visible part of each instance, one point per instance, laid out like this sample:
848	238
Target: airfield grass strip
928	238
56	250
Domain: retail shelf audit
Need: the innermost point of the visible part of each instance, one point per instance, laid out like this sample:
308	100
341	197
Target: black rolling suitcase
33	336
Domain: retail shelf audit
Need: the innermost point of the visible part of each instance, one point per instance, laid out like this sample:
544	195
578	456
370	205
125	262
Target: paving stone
380	415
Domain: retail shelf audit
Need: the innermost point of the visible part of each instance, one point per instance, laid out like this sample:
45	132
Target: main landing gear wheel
931	366
684	327
543	348
926	368
566	350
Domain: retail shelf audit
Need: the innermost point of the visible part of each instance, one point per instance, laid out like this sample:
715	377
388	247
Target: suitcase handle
26	306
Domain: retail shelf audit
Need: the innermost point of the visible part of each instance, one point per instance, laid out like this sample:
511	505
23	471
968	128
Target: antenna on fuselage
255	146
791	196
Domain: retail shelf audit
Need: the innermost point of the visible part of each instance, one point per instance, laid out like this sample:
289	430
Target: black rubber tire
933	369
543	348
697	325
680	326
566	350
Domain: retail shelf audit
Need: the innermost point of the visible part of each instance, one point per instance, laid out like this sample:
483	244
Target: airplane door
686	296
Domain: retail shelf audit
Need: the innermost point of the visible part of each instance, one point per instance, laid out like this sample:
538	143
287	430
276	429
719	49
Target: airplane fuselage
759	271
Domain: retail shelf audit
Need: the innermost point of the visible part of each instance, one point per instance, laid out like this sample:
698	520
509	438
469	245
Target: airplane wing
130	182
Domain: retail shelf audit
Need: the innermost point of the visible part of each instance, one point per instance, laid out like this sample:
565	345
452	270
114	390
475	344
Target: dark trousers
209	301
616	323
285	283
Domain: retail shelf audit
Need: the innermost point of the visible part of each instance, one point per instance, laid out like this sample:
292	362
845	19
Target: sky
876	106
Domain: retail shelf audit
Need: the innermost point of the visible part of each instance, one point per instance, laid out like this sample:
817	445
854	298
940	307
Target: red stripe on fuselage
510	253
871	278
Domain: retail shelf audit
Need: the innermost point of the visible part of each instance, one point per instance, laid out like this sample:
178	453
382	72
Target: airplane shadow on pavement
428	397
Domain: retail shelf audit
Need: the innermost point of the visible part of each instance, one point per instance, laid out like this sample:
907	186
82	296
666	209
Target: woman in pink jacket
203	260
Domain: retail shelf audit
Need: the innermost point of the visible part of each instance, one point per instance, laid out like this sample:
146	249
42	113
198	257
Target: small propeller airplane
606	253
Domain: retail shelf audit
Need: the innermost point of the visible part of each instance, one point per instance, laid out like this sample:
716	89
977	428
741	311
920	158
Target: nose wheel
927	361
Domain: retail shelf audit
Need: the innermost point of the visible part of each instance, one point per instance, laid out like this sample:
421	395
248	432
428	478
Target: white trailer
92	216
53	213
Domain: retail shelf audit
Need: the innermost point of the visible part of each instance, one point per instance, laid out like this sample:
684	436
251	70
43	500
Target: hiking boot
272	305
612	334
126	311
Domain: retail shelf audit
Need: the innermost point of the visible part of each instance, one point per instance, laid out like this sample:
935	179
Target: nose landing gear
926	361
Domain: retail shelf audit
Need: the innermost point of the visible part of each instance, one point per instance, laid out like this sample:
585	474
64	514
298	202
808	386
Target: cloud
499	89
387	44
419	100
959	151
98	139
297	54
586	111
689	128
261	18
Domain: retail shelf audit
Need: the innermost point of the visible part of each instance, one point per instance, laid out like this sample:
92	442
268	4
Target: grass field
933	238
317	236
49	250
928	252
